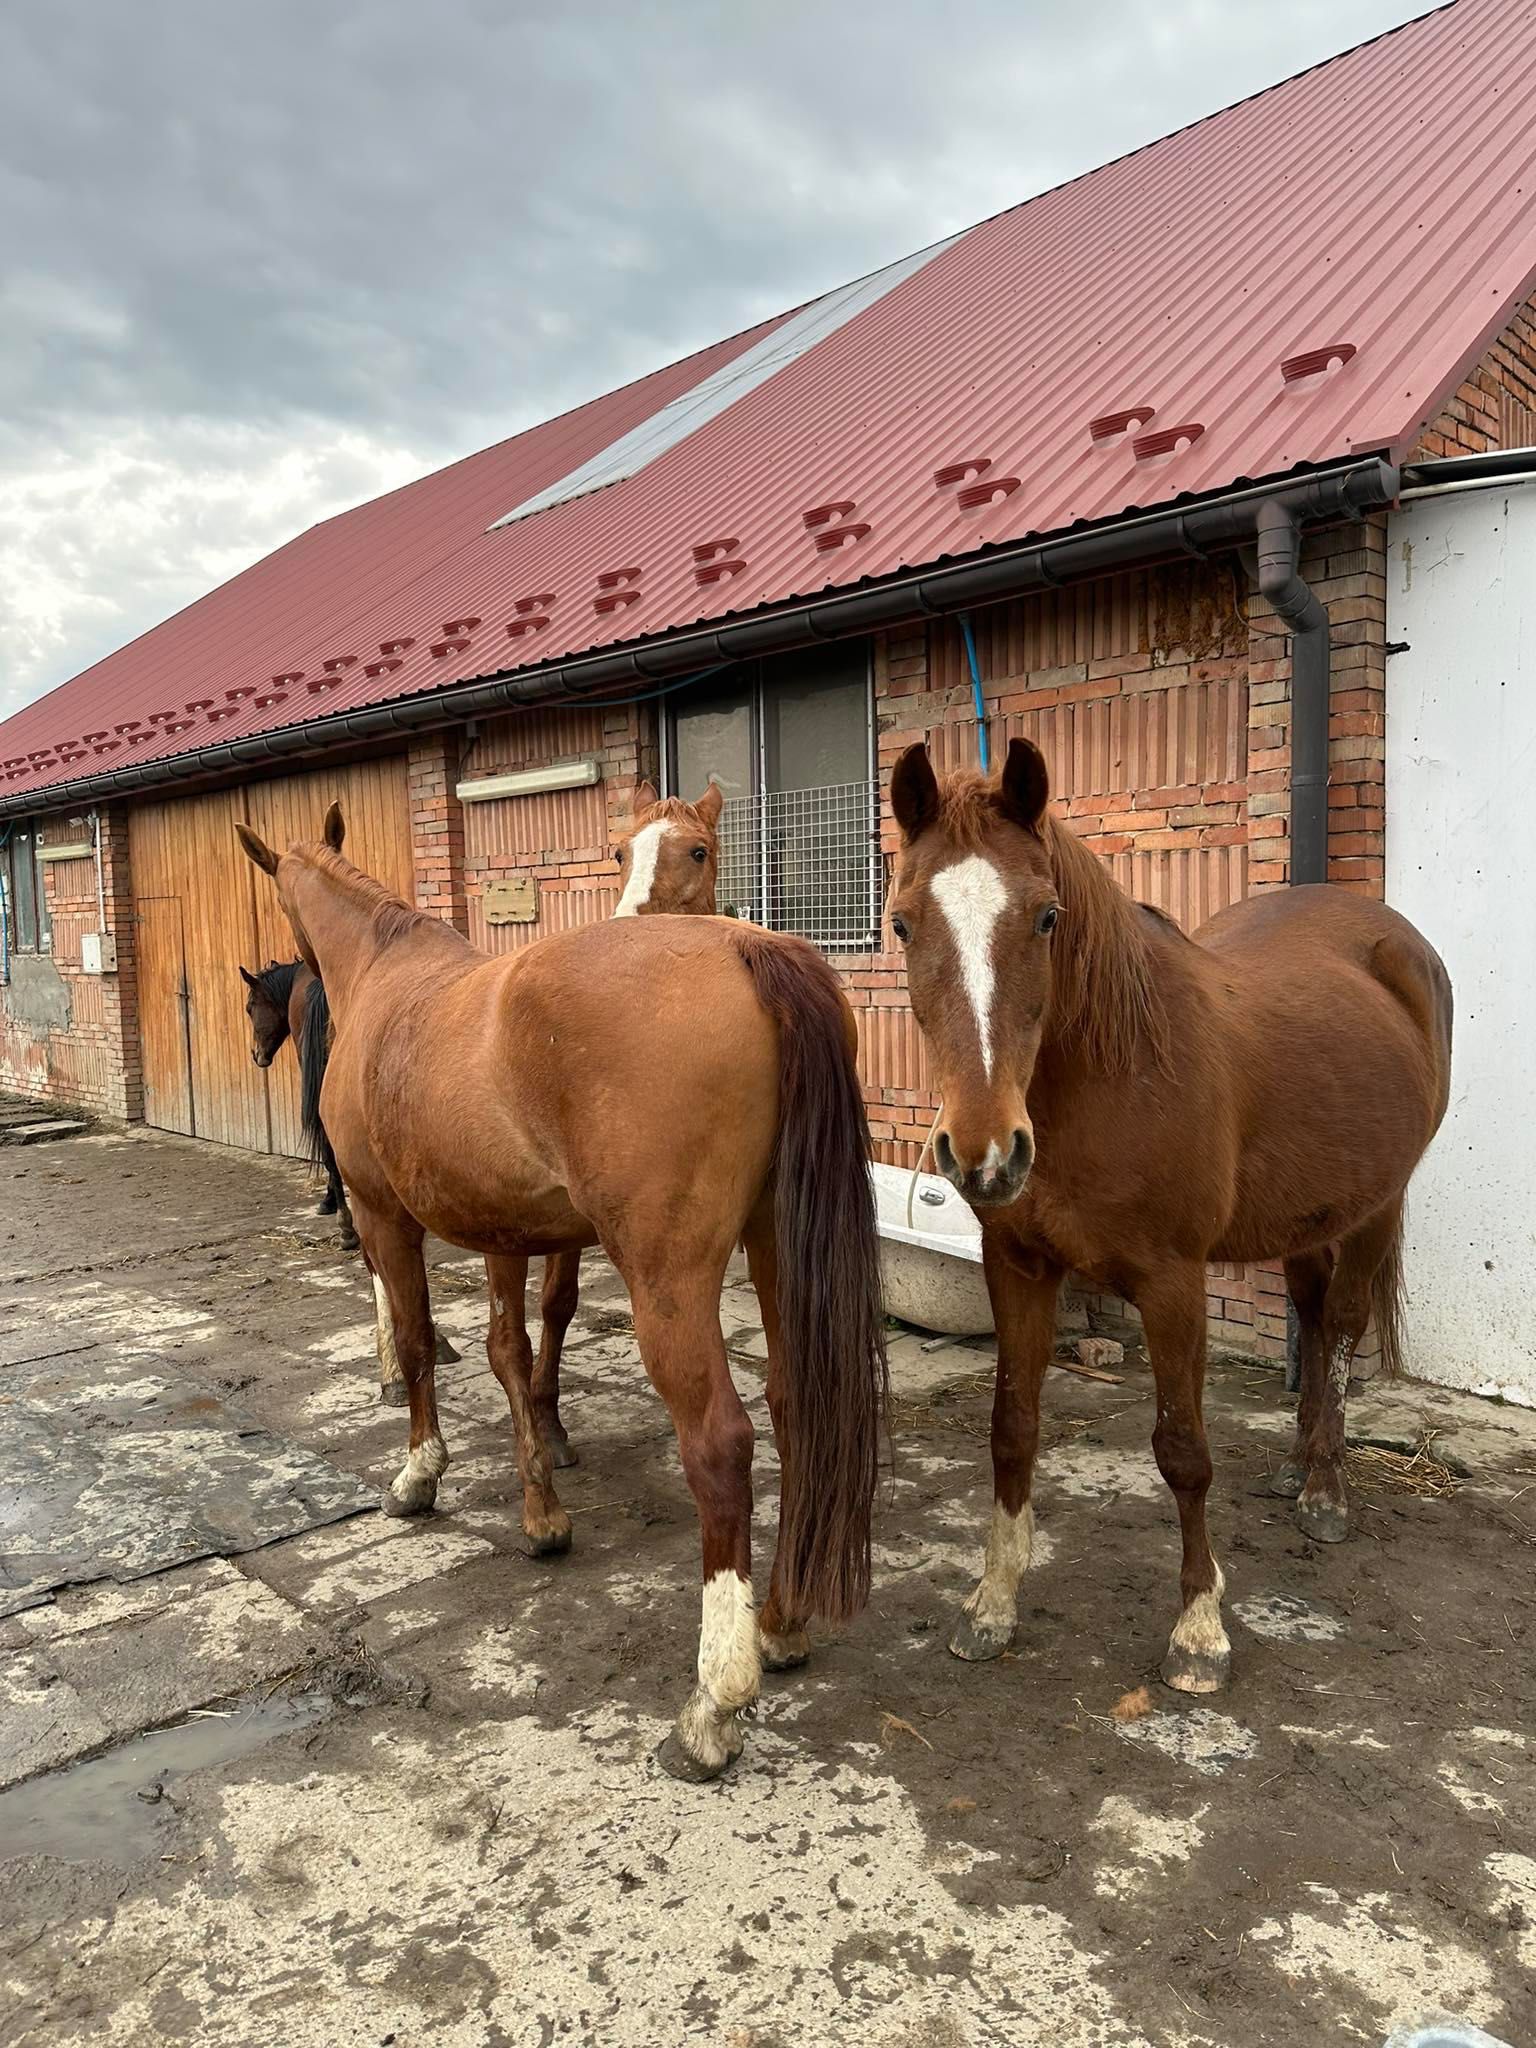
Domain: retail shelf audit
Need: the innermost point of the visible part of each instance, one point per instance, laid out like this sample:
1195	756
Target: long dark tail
314	1052
830	1302
1387	1304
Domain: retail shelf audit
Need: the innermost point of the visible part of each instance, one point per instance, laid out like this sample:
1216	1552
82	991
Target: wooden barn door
204	912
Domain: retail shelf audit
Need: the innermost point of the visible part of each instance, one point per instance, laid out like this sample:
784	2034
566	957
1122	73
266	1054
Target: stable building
1204	471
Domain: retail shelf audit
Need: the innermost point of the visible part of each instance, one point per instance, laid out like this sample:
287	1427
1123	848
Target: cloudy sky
260	262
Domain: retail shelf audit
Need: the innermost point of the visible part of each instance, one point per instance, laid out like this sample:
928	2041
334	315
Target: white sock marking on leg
389	1358
995	1603
643	850
972	896
1198	1629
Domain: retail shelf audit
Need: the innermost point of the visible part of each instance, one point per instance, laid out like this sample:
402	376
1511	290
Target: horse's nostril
944	1153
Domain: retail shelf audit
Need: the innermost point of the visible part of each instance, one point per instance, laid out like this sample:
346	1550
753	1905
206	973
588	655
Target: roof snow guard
1102	351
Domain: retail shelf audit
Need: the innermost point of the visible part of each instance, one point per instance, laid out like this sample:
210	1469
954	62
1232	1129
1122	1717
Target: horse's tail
314	1053
831	1309
1387	1304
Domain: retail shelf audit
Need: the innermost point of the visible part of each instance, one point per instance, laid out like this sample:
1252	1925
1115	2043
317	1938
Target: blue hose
980	701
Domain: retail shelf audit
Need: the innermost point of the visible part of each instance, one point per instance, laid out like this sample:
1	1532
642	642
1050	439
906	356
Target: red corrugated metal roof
1378	206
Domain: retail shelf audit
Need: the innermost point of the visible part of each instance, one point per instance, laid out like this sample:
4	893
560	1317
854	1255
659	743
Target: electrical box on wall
98	953
511	899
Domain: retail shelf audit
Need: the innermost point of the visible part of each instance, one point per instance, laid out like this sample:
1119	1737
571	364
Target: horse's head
667	852
975	903
268	1015
287	870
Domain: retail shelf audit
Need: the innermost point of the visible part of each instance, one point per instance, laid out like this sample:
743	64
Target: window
26	903
790	741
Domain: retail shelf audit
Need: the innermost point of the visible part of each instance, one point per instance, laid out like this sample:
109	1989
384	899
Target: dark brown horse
667	1088
284	1000
1125	1102
666	855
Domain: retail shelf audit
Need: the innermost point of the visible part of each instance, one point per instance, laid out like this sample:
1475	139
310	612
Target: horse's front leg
677	1326
545	1522
392	1245
1023	1288
1172	1308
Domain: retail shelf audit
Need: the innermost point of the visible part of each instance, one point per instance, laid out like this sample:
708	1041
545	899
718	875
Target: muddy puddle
115	1808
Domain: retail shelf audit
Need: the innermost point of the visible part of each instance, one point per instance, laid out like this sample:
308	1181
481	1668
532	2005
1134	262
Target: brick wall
1496	406
437	828
66	1036
563	839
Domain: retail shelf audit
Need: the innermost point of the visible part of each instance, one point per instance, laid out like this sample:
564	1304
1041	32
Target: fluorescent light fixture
530	782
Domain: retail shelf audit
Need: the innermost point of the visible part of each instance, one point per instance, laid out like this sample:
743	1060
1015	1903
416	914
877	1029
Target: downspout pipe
1296	604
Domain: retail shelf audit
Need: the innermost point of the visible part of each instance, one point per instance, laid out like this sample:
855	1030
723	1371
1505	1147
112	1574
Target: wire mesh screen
805	861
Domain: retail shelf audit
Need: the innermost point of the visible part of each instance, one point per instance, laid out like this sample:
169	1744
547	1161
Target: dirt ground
393	1783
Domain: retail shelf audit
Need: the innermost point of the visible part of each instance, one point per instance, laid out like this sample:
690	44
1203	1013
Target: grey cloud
331	243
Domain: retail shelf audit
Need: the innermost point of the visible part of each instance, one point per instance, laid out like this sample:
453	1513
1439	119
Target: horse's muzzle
262	1059
997	1180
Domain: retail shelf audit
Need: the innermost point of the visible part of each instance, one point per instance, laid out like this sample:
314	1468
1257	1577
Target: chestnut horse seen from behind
668	1088
1127	1103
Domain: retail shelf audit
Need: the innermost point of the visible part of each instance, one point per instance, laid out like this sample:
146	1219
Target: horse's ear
333	831
1026	784
708	805
250	980
914	791
645	795
257	848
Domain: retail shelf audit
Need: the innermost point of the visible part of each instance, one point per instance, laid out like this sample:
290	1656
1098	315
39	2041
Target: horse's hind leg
392	1245
1322	1512
781	1634
677	1324
557	1304
1306	1281
545	1523
1172	1308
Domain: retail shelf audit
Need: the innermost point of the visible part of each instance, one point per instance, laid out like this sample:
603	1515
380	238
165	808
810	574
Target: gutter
1016	571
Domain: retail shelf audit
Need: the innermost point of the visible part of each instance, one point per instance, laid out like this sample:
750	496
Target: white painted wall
1461	863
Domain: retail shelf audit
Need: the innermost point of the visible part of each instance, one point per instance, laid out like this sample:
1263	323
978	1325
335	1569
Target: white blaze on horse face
972	896
643	851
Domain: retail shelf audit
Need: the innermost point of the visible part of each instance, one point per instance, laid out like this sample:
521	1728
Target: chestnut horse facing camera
667	1088
667	856
1128	1103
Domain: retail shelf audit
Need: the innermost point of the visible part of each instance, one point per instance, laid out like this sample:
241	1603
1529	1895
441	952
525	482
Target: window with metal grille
791	742
27	925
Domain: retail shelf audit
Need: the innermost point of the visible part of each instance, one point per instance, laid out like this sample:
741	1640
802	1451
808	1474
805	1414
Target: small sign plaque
511	899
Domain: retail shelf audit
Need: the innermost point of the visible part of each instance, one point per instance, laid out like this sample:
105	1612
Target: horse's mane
389	917
276	980
1105	999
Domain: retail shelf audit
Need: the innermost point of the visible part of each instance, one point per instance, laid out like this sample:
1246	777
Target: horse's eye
899	927
1045	923
700	853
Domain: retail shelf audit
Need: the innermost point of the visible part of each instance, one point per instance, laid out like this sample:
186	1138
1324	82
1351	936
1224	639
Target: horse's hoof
786	1652
394	1394
680	1763
1289	1480
446	1355
1324	1520
550	1539
1196	1670
402	1507
975	1645
326	1206
347	1242
561	1456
